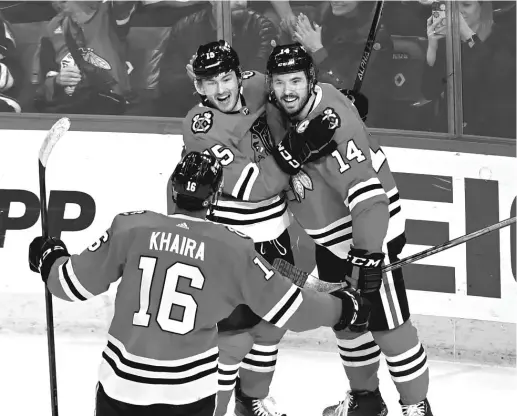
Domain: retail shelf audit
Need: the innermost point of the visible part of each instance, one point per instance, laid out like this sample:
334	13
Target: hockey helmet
197	181
215	58
286	59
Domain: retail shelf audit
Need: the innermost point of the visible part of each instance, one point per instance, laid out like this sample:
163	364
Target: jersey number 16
170	296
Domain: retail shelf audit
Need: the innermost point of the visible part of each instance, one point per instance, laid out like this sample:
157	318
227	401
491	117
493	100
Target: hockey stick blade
311	282
303	279
56	132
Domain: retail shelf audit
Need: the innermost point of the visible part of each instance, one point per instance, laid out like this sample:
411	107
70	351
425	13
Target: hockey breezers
56	132
305	280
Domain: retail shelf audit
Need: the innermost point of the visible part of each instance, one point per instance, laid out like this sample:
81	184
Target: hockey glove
355	313
43	252
364	270
309	140
359	100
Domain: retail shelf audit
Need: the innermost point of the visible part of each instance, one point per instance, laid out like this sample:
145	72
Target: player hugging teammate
230	124
358	226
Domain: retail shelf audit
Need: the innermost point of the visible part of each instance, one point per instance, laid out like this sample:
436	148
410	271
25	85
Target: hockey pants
251	354
391	332
106	406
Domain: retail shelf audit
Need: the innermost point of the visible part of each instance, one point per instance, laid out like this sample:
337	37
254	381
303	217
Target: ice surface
305	381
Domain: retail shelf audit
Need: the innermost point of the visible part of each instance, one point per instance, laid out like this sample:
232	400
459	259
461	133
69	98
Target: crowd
130	57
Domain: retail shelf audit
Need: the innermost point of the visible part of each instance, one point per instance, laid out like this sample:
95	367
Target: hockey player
179	275
349	204
230	123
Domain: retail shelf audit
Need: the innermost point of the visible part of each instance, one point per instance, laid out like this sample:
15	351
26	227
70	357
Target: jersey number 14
354	153
170	296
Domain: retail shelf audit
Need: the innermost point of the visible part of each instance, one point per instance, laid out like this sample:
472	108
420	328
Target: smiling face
291	91
222	91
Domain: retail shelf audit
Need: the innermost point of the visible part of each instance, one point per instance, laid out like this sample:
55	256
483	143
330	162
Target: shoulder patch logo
332	118
202	123
247	74
302	126
299	183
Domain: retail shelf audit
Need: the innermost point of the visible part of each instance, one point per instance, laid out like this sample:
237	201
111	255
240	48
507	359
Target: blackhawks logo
202	123
299	183
332	118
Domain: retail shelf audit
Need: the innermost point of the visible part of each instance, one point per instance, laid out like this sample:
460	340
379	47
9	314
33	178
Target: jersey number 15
170	296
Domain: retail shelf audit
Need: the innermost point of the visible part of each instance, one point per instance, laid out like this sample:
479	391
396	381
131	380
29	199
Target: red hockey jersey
179	277
253	201
339	199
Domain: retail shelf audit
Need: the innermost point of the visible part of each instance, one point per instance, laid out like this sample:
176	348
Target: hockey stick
305	280
370	41
54	134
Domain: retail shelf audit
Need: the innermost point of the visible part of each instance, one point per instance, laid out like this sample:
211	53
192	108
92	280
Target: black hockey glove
355	313
309	140
359	100
43	252
364	270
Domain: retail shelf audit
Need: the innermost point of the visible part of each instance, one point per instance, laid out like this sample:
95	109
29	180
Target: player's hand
43	252
359	100
309	141
363	270
355	313
69	76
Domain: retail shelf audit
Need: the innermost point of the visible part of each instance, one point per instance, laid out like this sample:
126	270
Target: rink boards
463	300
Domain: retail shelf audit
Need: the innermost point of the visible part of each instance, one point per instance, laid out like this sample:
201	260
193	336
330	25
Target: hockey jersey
338	199
253	200
179	276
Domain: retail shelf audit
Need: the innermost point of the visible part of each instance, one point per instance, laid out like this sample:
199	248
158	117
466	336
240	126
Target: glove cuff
350	308
285	161
364	259
48	259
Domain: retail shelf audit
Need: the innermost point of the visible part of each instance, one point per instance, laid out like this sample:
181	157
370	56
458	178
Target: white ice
305	381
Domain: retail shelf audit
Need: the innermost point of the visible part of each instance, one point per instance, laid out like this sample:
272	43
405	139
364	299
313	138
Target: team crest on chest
261	140
202	123
299	183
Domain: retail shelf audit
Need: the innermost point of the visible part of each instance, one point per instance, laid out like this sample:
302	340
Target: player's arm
350	171
274	298
244	179
80	276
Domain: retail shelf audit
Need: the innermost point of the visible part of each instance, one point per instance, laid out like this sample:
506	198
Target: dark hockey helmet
197	181
215	58
291	58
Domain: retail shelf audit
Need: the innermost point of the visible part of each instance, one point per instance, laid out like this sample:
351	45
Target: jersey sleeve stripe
70	284
244	185
286	306
75	281
362	191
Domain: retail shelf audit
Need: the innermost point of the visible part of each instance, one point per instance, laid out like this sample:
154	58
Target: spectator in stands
81	59
8	69
488	70
337	43
253	37
284	14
